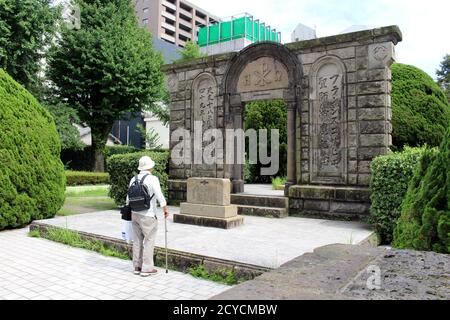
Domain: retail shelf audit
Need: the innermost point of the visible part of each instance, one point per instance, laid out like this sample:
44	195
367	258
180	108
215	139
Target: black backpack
138	195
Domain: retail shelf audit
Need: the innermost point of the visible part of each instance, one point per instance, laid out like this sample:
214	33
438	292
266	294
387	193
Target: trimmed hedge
420	109
122	168
425	220
80	160
391	175
83	178
32	180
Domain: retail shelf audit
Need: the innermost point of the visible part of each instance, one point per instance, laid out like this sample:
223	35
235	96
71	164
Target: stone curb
178	260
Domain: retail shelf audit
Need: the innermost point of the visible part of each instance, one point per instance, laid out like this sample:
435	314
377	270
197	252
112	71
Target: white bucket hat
146	163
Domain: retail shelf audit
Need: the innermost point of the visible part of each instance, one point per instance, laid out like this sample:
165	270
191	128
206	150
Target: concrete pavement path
39	269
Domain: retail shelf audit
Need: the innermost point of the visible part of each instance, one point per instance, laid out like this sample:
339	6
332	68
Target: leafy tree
267	115
420	110
106	69
191	51
444	75
65	117
425	220
26	28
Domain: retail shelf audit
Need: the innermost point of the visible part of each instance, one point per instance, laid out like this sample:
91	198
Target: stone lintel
391	32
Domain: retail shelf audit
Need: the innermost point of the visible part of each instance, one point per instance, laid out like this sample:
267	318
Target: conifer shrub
32	179
424	223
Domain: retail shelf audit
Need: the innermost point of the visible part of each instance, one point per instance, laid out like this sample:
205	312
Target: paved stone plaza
39	269
260	241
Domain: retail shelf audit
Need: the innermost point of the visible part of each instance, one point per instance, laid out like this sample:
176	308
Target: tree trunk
99	139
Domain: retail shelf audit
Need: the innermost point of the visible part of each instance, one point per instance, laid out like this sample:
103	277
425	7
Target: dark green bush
424	223
122	168
267	115
390	178
83	178
420	110
80	160
32	180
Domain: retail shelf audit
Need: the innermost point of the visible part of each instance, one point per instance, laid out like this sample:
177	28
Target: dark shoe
150	273
137	271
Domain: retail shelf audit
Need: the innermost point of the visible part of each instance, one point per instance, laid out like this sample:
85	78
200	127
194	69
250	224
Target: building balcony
186	13
169	5
185	33
167	37
185	24
168	15
168	26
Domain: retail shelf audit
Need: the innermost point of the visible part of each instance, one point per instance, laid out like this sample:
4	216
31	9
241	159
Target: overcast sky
425	24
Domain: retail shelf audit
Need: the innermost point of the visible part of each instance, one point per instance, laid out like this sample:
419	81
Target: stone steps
266	212
259	201
261	206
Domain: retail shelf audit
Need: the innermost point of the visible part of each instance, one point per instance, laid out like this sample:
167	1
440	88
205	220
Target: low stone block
210	191
316	205
228	223
350	207
205	210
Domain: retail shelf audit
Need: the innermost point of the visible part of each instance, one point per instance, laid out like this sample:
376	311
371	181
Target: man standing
145	224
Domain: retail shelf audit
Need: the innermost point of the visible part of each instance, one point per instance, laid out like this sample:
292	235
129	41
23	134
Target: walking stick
165	224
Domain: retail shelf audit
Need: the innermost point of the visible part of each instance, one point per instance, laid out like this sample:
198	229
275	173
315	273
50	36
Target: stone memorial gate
337	93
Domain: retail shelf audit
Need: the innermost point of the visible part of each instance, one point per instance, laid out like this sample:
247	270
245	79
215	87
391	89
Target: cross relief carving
263	74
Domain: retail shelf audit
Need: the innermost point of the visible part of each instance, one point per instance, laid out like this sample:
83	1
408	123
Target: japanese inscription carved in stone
328	122
263	74
205	100
204	104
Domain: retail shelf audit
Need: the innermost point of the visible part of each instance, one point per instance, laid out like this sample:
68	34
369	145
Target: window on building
145	21
145	10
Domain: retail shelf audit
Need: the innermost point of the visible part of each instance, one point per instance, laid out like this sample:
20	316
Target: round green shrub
32	176
123	167
420	110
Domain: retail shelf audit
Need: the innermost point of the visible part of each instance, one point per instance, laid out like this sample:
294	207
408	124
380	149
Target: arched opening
265	71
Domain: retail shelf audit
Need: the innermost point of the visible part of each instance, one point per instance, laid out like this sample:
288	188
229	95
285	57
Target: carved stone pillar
238	168
291	137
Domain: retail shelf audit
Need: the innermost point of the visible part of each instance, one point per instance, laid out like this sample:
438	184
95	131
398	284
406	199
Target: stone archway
337	91
264	71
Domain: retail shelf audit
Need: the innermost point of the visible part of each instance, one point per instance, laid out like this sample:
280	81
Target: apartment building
174	21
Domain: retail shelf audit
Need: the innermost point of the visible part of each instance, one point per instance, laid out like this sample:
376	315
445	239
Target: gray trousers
144	235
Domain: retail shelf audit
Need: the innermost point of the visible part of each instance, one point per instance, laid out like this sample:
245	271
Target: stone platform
344	272
261	241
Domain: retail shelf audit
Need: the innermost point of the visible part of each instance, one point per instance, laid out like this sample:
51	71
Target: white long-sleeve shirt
154	187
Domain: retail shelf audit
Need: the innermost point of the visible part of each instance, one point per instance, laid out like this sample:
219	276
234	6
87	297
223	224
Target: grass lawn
86	199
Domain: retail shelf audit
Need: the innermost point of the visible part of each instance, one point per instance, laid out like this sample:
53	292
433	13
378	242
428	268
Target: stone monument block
208	204
208	191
